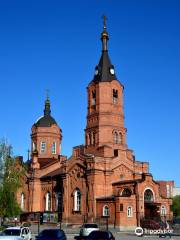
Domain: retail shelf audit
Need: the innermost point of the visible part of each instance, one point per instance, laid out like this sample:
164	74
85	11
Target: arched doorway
150	207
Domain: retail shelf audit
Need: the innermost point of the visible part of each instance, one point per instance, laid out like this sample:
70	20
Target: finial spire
28	152
47	94
104	20
104	34
47	109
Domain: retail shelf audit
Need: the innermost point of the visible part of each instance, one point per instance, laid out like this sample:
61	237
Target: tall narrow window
93	98
120	138
115	96
48	202
168	191
77	200
90	139
115	152
163	211
34	146
22	201
54	148
60	147
43	147
129	212
115	137
87	139
121	207
94	138
105	211
58	201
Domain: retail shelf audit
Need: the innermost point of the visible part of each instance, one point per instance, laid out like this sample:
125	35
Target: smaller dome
45	121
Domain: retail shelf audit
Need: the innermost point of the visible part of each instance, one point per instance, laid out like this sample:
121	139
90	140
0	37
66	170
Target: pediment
122	168
75	164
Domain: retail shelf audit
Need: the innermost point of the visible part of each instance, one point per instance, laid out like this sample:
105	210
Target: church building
102	181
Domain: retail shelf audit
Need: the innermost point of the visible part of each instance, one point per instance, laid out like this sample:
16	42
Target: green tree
176	206
12	172
5	150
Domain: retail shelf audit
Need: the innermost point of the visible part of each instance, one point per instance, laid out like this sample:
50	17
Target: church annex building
101	181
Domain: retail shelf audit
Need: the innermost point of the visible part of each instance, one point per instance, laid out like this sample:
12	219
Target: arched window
87	139
129	212
60	147
115	137
54	148
105	211
48	202
115	96
126	192
148	196
34	146
120	138
77	200
22	201
163	211
90	140
93	102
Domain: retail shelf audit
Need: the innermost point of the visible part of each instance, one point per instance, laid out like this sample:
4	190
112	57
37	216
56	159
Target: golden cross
47	93
104	20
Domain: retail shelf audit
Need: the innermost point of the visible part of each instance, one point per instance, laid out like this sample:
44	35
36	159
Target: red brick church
102	179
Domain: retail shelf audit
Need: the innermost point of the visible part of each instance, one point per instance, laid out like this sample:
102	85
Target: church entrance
151	209
58	204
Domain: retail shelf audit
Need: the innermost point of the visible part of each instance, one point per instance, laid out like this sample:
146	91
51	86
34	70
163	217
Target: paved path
74	231
122	236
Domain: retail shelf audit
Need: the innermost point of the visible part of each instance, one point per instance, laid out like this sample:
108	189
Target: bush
2	228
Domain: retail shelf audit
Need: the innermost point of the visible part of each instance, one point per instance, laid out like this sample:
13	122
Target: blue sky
55	45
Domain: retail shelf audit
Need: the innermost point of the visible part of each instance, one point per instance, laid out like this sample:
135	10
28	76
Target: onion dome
46	120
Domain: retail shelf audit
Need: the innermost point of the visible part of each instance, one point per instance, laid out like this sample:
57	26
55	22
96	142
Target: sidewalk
72	229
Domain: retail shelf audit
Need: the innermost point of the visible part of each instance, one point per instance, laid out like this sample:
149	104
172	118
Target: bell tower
105	117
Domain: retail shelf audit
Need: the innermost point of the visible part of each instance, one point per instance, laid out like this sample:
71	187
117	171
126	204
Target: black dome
45	121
